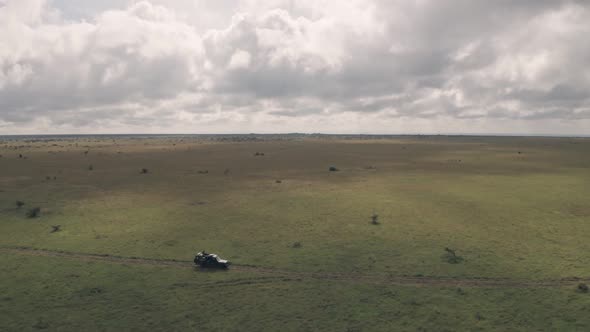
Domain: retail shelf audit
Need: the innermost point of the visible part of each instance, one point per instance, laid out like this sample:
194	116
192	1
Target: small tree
452	257
375	219
34	212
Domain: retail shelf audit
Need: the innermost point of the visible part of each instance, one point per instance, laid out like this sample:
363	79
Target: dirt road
272	274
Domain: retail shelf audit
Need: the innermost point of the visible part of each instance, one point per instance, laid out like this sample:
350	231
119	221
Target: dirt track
286	275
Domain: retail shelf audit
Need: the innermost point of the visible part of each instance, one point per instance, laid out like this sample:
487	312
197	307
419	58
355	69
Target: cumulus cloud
241	66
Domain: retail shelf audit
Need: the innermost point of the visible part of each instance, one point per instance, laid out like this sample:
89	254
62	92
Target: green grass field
513	208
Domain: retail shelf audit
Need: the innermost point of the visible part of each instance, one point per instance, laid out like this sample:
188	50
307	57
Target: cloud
241	66
137	55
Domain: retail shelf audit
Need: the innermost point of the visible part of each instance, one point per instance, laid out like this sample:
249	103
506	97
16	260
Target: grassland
512	208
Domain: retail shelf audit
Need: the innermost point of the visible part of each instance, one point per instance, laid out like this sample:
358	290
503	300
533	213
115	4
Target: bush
34	212
582	287
90	167
144	171
19	204
333	169
452	257
297	245
375	219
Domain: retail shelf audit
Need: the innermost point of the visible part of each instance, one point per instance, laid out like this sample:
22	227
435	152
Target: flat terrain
515	211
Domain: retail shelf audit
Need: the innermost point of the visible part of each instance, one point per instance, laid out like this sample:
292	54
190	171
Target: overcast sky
241	66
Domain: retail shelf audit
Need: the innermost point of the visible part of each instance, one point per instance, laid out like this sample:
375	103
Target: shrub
19	204
296	245
90	167
333	169
144	171
452	257
34	212
375	219
41	324
582	287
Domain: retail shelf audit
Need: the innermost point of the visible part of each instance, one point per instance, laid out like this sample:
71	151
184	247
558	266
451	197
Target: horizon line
311	134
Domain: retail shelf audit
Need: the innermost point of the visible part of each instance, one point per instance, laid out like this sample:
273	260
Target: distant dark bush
20	155
375	219
278	181
203	171
41	325
48	178
34	212
55	228
452	257
259	154
296	245
19	204
333	169
144	171
582	287
90	167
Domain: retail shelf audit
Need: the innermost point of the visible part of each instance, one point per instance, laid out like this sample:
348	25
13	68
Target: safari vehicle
204	259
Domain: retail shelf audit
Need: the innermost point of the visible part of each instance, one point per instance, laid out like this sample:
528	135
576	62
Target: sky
282	66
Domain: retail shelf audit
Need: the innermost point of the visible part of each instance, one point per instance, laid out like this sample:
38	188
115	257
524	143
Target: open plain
468	233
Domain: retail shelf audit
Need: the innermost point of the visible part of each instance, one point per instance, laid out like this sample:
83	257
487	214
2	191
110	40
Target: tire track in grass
273	275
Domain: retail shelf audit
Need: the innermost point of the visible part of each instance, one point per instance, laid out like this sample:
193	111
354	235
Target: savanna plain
325	233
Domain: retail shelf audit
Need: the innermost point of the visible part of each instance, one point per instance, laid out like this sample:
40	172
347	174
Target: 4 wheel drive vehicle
204	259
